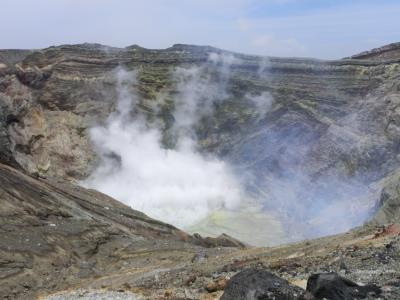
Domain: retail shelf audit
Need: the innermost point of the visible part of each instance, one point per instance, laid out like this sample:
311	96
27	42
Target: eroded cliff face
342	116
52	96
326	119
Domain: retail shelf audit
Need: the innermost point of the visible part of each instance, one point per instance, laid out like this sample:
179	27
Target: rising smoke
178	186
183	187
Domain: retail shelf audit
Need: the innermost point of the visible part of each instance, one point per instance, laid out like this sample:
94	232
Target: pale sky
308	28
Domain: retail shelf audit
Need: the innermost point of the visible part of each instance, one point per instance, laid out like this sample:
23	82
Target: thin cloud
297	27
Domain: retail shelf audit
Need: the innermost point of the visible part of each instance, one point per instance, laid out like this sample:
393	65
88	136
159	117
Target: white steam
262	103
178	186
313	208
199	90
277	191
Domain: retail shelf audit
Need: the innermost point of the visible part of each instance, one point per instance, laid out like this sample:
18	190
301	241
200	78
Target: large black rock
334	287
259	284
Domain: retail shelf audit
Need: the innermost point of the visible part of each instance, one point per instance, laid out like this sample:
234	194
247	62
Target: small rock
190	280
217	285
168	293
126	286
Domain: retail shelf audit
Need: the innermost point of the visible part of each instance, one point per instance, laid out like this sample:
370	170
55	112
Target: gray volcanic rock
334	287
259	284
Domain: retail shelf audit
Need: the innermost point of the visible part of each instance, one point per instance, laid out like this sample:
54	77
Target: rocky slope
365	256
387	52
56	234
341	116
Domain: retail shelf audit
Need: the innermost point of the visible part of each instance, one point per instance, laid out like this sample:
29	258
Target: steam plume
263	178
179	185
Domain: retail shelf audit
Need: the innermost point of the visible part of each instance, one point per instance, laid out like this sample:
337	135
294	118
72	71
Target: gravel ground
93	295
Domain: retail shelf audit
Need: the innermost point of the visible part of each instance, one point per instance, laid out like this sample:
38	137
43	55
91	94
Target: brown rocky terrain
58	236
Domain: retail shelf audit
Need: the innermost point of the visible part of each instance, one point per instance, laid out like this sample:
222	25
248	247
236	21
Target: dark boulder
334	287
259	284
